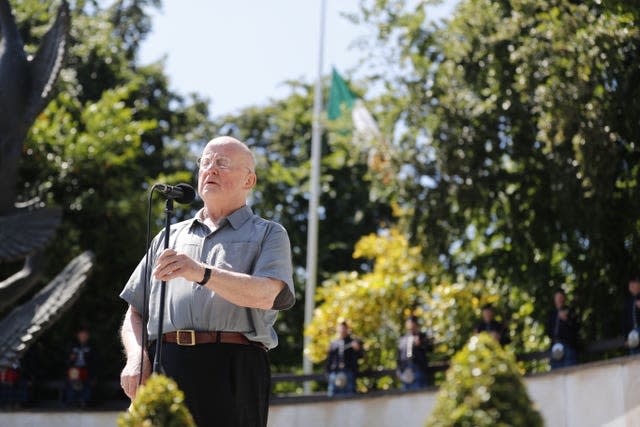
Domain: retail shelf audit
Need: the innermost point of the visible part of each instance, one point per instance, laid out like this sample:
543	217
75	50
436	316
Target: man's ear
250	180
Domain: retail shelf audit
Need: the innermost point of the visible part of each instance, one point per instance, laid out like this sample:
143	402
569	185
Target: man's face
634	287
487	315
411	326
226	174
343	330
83	337
559	299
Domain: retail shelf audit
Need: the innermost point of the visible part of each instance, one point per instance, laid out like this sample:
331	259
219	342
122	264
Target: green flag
341	99
366	135
339	95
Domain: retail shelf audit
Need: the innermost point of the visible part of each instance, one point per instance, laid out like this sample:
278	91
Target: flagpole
314	197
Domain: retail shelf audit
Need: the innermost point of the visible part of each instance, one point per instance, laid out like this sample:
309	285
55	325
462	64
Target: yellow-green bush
373	302
399	282
158	403
484	388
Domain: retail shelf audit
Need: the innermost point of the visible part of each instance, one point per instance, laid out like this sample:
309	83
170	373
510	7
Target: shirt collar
240	216
236	219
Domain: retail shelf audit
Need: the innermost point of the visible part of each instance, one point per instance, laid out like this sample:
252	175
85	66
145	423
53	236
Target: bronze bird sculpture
25	90
26	87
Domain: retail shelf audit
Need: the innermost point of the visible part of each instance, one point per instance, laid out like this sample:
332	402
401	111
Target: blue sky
238	53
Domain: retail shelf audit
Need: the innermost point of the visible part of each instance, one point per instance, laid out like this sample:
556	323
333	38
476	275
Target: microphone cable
145	285
186	197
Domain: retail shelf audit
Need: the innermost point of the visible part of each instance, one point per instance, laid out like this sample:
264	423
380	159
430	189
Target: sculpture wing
8	28
47	63
20	328
23	232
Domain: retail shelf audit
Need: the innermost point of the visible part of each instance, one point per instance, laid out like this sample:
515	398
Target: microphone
181	193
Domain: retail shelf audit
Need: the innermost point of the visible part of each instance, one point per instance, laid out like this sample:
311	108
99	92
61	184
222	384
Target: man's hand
172	264
240	289
131	374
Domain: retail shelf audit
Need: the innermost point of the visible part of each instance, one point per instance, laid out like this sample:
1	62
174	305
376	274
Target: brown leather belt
189	337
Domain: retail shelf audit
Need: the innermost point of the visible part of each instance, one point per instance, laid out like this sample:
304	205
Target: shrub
158	403
483	388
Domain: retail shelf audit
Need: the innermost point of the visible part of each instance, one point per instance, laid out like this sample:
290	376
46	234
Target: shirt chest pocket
190	245
235	256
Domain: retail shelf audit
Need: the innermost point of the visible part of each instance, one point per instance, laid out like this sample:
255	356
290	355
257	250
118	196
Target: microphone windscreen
188	194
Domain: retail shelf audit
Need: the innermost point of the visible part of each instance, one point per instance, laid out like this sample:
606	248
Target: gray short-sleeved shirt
244	243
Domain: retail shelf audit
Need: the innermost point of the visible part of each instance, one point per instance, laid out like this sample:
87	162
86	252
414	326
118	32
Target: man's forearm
244	290
138	368
238	288
131	333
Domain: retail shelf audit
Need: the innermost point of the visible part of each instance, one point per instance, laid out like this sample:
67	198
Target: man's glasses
222	163
218	162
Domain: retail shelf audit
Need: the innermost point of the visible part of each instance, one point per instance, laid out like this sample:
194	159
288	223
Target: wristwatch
207	275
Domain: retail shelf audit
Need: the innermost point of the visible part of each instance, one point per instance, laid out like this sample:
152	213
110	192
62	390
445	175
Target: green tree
377	302
374	303
483	388
113	128
516	127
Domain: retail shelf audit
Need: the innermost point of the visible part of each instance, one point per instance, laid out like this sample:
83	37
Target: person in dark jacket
80	370
491	326
632	316
562	329
342	362
412	360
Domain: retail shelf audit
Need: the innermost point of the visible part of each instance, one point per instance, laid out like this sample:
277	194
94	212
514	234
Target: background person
80	370
412	360
562	328
342	361
632	315
490	325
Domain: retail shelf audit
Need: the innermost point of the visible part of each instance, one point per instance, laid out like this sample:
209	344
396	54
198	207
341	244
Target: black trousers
225	385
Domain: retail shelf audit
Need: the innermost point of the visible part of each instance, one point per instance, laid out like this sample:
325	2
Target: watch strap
207	276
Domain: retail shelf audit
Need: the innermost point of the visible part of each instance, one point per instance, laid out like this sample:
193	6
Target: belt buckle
191	334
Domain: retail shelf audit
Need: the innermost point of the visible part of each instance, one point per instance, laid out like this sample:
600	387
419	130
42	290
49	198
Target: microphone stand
157	360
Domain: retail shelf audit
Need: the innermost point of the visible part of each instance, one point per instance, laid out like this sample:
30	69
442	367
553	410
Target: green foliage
158	403
516	128
374	302
452	309
377	301
483	388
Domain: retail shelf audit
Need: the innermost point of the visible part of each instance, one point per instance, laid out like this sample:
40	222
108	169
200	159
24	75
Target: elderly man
228	271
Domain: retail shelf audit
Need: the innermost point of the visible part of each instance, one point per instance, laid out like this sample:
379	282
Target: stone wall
597	394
